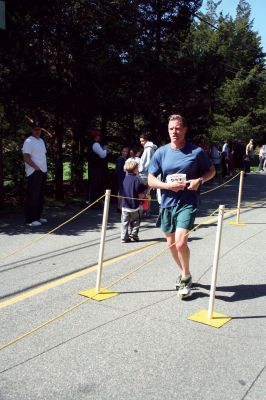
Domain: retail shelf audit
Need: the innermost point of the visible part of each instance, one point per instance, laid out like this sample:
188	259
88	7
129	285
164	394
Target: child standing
133	186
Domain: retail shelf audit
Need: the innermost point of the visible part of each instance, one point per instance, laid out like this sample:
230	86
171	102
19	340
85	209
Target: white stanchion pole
103	233
239	196
216	260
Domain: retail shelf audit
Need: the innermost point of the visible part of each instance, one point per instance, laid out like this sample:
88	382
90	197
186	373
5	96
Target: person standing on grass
262	157
250	150
34	155
179	193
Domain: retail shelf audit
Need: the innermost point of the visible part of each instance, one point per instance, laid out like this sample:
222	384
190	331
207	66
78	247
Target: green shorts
179	216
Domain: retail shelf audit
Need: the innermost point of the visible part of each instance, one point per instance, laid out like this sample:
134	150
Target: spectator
149	149
238	154
134	155
246	162
97	168
215	156
262	157
120	173
203	144
132	188
231	163
250	150
225	159
34	155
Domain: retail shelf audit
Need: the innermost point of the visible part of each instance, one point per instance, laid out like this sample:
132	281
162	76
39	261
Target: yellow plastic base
216	321
104	294
238	223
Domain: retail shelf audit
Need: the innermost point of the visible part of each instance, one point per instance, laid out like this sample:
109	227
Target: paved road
139	344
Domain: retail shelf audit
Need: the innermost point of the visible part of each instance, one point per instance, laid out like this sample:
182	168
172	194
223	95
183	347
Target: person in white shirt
149	149
97	168
34	155
225	159
262	157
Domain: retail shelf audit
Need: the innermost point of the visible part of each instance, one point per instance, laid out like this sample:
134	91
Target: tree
124	66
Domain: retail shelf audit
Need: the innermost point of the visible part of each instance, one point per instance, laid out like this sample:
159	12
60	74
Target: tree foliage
123	66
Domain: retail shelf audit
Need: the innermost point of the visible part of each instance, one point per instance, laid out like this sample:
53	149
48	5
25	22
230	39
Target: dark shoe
127	240
134	237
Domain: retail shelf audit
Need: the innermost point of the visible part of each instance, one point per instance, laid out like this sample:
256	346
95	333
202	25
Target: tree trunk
59	188
77	160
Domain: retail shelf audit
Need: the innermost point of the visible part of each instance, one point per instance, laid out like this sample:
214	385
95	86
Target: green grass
67	171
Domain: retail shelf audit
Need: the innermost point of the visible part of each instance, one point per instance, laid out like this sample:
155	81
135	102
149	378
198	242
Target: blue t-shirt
132	187
190	160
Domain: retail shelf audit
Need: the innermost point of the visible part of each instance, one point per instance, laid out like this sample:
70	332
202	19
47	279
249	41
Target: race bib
176	178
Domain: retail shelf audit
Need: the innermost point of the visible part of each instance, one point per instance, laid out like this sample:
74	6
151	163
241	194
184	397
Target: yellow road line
75	275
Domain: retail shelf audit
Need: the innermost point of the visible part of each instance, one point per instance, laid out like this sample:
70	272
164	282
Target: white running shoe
35	223
43	220
185	288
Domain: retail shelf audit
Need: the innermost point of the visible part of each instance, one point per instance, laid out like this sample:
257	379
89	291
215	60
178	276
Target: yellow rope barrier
108	287
157	255
48	233
208	191
223	184
83	210
43	325
113	283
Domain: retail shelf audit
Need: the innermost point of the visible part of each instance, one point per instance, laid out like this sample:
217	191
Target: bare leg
179	250
170	237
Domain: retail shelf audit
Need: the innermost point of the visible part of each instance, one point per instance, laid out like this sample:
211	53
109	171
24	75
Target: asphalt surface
140	344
